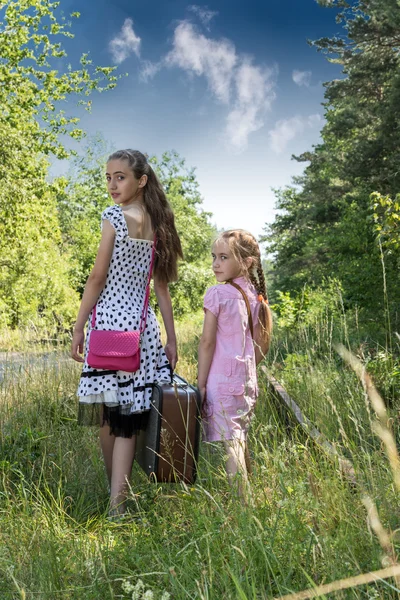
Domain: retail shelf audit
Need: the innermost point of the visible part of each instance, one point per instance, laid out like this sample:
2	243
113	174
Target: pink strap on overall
145	310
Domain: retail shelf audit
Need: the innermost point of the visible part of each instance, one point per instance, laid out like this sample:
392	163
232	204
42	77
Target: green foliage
31	86
310	308
182	189
385	370
34	271
34	267
81	200
325	226
188	292
387	219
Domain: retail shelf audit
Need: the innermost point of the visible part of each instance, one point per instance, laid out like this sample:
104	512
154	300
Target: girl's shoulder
211	300
218	290
223	291
216	296
111	213
116	218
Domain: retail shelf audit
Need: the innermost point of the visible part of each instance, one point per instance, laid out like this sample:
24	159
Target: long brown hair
169	247
243	245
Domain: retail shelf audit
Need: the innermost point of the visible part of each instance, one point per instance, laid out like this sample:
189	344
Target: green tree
387	220
34	271
82	198
326	228
194	228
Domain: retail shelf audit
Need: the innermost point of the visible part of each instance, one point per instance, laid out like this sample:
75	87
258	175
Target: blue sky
232	86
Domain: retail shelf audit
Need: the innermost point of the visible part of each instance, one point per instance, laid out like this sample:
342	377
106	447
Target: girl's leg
122	461
236	468
107	446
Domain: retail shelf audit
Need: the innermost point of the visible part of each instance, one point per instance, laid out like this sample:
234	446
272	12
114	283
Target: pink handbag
116	350
119	350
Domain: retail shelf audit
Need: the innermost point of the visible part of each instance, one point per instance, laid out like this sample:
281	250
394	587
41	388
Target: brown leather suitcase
168	450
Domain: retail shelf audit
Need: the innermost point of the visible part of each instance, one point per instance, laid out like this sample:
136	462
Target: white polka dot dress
119	307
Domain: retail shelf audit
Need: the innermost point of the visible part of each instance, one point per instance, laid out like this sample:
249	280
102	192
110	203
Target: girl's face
122	184
225	265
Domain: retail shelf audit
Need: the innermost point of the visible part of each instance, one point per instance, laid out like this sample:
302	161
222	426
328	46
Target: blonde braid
262	286
253	279
264	315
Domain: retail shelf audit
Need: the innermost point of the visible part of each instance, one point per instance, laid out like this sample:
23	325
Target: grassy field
305	524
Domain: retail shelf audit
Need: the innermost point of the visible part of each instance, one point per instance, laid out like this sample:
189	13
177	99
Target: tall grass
304	523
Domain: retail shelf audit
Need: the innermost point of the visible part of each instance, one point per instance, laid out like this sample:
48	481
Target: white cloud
205	15
246	88
125	43
200	55
254	95
302	77
149	70
287	129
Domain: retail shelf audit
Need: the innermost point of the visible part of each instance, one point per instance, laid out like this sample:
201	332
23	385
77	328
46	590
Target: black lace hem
120	424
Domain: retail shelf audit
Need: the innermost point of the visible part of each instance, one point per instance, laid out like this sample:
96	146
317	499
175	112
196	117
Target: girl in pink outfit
229	350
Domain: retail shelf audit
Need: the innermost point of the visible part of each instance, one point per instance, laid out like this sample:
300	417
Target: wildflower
89	564
139	587
109	541
137	590
127	587
148	595
165	596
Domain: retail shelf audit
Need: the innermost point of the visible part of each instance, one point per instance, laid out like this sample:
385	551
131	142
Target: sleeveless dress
232	380
119	398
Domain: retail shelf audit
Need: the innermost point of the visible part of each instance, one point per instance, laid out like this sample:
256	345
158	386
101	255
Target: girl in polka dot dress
120	401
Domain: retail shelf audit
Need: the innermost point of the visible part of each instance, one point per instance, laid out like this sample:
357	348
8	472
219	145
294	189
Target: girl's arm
94	286
206	350
164	302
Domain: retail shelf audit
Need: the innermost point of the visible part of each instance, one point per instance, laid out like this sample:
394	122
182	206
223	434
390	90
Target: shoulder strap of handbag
145	309
245	298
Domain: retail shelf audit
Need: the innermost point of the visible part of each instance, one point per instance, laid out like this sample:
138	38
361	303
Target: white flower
148	595
165	596
127	587
139	587
89	564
